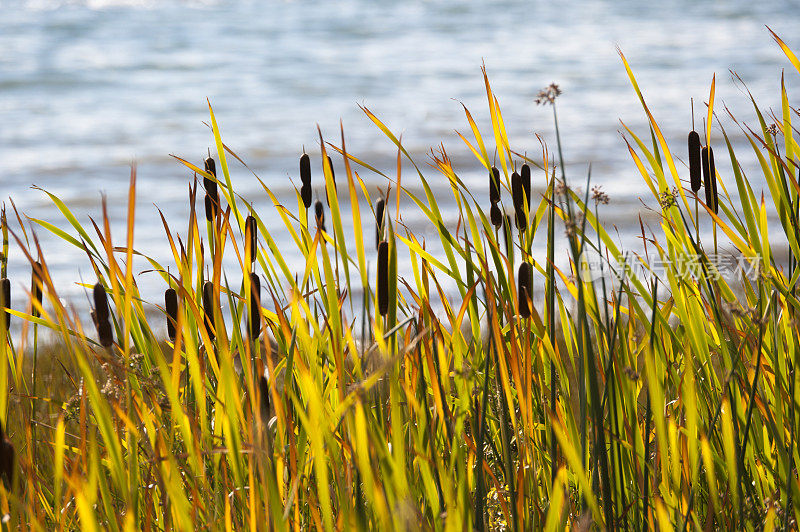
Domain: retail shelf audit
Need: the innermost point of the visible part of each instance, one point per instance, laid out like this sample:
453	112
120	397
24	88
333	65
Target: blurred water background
87	87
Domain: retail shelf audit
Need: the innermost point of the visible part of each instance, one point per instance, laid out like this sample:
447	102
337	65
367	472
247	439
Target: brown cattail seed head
212	194
208	308
263	388
104	333
305	195
5	302
695	164
495	215
171	304
100	302
494	185
525	289
210	208
255	306
710	178
380	208
305	178
211	168
525	172
518	195
305	170
6	459
251	236
319	214
383	278
36	287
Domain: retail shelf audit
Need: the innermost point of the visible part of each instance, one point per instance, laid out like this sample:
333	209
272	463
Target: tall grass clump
649	390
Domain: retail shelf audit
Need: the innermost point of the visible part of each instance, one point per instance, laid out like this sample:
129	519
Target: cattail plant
212	194
5	301
305	179
525	172
710	178
208	308
36	288
102	316
319	214
695	161
494	185
251	238
496	215
171	305
100	302
525	289
380	208
263	388
6	459
519	198
383	278
254	325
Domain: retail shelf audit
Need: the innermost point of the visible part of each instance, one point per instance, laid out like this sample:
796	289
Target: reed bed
532	397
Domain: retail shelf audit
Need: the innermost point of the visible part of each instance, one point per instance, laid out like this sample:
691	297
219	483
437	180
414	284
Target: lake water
87	87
